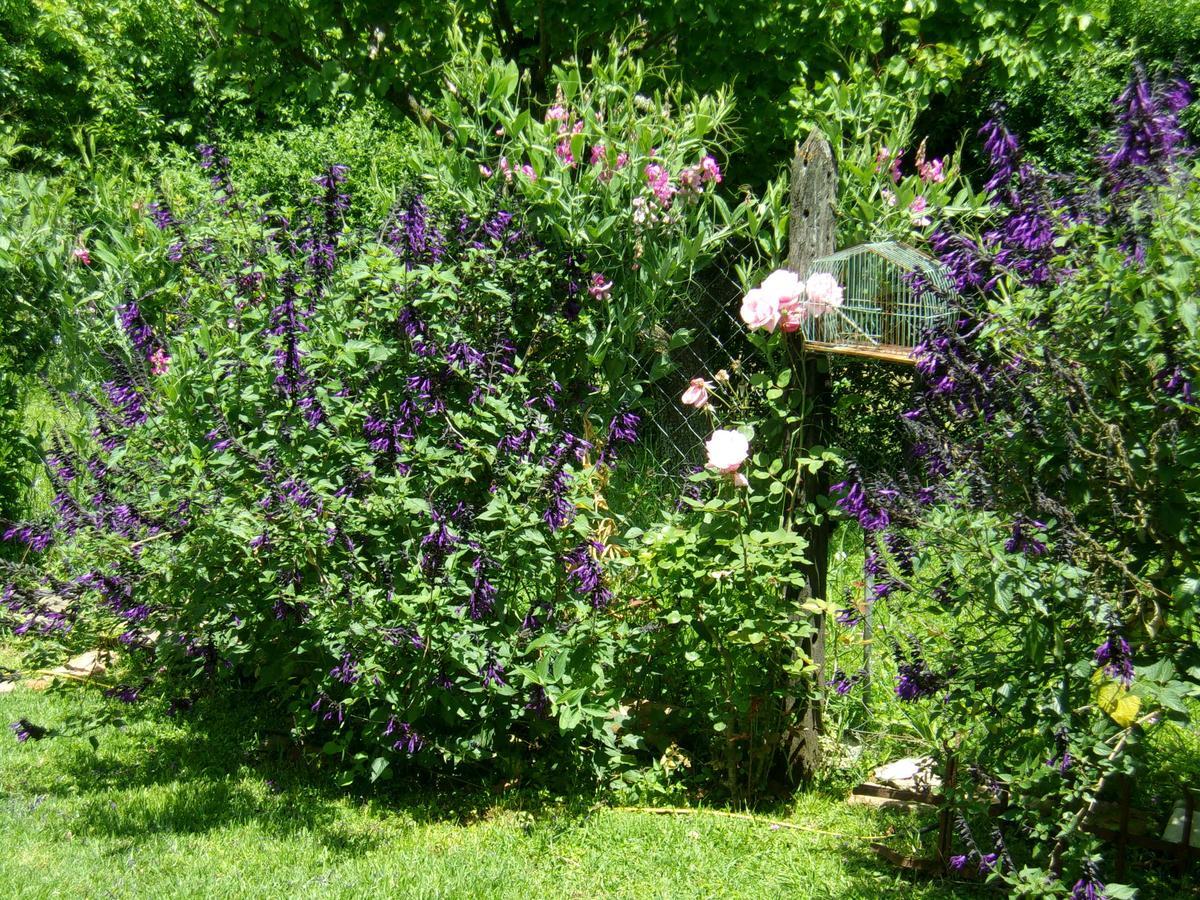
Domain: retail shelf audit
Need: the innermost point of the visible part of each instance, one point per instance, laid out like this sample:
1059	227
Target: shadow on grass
224	763
228	764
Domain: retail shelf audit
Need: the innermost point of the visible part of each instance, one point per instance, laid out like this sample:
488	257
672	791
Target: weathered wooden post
812	234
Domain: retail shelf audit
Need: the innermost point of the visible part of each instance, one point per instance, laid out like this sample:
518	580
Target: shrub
359	467
1041	552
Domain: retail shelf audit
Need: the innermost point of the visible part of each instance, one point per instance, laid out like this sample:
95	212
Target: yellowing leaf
1112	697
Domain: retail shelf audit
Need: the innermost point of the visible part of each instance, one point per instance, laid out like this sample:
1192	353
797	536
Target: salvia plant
361	469
349	466
1038	545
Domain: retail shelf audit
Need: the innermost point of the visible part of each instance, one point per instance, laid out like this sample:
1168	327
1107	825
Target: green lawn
193	808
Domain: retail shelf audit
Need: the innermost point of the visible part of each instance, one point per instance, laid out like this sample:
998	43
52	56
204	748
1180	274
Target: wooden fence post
812	234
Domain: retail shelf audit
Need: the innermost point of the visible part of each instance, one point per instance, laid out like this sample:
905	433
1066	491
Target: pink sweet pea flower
527	171
917	208
160	362
597	155
932	172
485	171
709	169
556	113
563	152
824	293
760	309
659	180
600	288
726	450
696	394
81	254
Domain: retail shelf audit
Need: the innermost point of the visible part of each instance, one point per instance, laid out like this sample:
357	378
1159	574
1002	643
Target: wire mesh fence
698	335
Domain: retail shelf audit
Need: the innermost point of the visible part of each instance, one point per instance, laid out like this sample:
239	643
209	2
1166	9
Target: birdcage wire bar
892	295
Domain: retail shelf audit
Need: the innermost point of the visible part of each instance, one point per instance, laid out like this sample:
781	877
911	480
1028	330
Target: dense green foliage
351	416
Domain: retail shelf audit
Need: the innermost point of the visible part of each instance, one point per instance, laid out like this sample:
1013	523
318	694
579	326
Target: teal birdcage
892	294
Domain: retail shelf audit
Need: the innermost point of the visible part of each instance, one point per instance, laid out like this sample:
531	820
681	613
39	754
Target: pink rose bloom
760	309
696	394
727	450
824	293
81	254
788	290
600	289
160	362
709	169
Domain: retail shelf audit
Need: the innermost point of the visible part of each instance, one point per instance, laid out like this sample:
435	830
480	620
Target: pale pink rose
824	293
160	362
787	286
760	309
696	394
727	450
741	480
788	290
790	320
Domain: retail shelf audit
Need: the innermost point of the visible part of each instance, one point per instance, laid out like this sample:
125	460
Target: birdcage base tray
892	353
